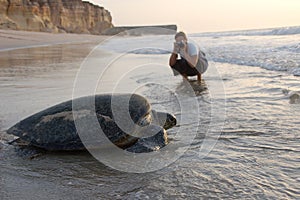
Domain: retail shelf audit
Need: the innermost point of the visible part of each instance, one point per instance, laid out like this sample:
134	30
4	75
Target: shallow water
256	155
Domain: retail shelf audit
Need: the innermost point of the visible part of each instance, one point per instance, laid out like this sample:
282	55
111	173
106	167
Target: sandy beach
10	39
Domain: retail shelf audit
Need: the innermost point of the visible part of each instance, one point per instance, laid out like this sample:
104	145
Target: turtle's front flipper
166	120
149	144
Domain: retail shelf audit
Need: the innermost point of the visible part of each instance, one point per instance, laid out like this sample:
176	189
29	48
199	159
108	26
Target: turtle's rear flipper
24	149
18	142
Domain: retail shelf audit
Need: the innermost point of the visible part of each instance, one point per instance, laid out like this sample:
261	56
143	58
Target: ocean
237	135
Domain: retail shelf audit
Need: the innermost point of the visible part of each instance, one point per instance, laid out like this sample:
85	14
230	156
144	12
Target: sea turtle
54	128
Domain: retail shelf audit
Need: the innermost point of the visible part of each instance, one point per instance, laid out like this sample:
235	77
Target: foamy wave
296	71
292	48
265	63
286	31
150	51
259	32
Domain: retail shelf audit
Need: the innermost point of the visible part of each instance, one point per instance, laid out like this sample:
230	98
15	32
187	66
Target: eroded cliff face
72	16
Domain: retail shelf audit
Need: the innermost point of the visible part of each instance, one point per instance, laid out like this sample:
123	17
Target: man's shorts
182	67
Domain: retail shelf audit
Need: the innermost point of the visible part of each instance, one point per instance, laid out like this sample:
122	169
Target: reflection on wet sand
32	61
185	87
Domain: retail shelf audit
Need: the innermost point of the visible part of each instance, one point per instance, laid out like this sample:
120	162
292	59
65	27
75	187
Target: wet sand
28	58
36	71
10	39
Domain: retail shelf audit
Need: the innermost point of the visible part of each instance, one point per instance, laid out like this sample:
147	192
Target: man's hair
180	34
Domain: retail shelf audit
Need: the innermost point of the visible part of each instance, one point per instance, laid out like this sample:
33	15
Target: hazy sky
205	15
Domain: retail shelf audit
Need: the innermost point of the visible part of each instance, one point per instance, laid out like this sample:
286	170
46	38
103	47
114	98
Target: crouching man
192	61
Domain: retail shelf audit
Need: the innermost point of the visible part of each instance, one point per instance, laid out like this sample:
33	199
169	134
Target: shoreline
12	40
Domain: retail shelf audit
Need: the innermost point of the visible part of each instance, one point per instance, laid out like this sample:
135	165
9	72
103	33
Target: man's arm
190	57
173	59
174	55
192	60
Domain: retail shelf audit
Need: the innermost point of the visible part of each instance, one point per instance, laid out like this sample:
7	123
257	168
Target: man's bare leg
185	77
199	78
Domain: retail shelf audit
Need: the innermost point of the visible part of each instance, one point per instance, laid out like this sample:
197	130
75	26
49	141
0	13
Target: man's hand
184	48
176	48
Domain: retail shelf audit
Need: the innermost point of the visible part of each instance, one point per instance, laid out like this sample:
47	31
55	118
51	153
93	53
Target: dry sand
10	39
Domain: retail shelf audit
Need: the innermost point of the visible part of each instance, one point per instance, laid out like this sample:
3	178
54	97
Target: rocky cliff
71	16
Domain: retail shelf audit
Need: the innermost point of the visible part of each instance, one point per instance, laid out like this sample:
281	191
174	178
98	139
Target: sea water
244	135
273	49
